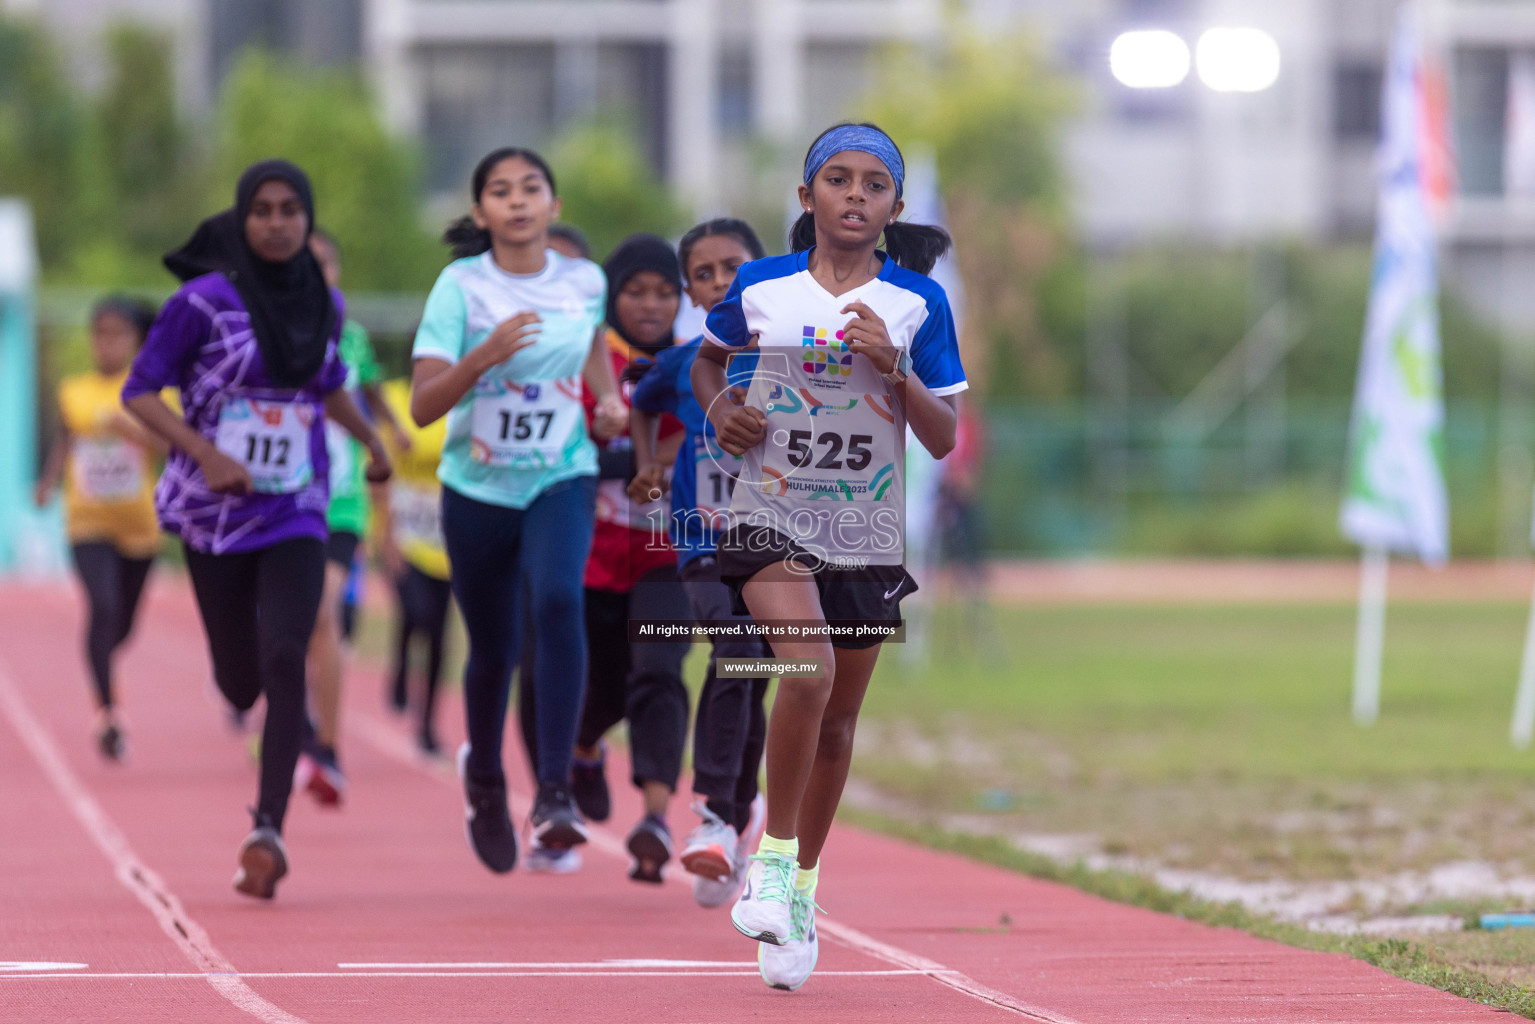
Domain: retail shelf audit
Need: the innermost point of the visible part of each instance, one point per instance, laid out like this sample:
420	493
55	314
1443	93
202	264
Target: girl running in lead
250	341
729	731
418	560
105	460
507	335
855	344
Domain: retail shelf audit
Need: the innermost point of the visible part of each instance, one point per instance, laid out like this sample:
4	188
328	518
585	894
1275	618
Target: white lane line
471	974
394	744
132	872
556	965
39	965
871	946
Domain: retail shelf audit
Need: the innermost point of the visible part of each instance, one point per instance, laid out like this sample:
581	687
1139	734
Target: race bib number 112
271	440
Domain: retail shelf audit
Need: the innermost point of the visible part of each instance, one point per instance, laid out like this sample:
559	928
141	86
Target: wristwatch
902	367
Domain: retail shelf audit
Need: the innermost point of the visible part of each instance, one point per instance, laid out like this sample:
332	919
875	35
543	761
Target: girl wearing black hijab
250	341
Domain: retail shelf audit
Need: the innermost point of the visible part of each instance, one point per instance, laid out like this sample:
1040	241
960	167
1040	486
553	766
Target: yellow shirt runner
415	495
108	479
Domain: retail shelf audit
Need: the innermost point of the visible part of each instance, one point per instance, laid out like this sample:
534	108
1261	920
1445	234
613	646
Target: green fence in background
1072	480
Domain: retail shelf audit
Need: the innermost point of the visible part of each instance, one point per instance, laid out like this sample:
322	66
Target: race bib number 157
524	425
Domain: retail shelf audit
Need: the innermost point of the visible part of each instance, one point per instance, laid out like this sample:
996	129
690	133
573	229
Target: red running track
116	901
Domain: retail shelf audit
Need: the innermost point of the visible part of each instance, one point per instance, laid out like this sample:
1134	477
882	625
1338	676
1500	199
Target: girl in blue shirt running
854	343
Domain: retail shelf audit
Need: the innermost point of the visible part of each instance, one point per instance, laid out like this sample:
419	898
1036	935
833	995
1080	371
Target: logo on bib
530	392
823	354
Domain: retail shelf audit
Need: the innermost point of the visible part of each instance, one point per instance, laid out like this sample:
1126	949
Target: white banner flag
1519	132
1395	495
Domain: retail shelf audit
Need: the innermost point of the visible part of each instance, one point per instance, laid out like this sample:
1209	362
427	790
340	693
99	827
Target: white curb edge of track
132	872
393	744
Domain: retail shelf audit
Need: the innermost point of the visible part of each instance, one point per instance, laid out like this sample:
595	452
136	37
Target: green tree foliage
365	180
991	111
606	187
46	146
142	139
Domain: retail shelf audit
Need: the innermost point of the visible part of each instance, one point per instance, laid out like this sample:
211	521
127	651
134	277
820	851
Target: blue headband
858	139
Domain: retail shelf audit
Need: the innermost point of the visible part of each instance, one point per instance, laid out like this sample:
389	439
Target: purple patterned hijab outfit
243	328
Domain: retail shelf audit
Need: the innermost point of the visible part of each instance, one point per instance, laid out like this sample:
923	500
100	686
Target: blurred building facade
712	85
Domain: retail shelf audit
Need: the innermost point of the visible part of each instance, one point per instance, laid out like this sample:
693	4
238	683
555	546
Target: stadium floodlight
1149	59
1237	59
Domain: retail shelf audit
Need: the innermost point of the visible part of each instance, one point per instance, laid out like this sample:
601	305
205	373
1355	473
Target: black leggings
638	682
113	585
731	728
424	602
259	608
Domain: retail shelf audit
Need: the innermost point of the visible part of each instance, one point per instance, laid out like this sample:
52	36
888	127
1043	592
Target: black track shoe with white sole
650	844
263	861
556	823
487	819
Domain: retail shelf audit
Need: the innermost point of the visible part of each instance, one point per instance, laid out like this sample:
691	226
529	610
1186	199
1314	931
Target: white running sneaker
546	860
788	966
712	857
763	911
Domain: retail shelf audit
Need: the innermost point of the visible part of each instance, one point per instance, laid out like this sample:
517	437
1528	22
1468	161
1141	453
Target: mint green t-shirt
522	428
348	510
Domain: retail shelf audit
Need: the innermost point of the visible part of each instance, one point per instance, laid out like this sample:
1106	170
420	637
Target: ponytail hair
464	236
913	246
916	246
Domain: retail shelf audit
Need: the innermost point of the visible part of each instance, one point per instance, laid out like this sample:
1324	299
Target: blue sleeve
726	323
657	390
443	322
935	350
178	332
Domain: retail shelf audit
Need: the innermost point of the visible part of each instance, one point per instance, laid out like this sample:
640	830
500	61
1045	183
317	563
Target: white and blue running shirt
830	473
521	429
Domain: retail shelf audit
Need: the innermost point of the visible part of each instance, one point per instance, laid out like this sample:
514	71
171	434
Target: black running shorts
870	595
341	548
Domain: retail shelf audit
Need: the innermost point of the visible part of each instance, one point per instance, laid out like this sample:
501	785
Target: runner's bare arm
738	427
611	414
339	407
933	419
437	385
53	469
651	474
382	531
223	474
381	412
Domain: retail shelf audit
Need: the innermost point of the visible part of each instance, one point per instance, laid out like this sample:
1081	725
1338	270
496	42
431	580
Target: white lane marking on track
479	974
132	872
397	746
557	965
856	939
39	965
